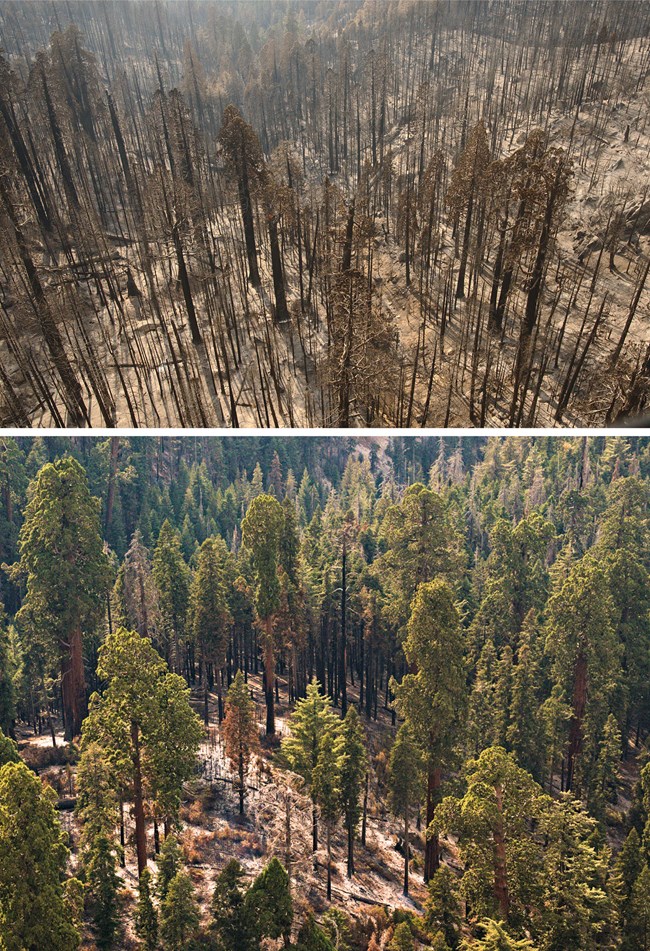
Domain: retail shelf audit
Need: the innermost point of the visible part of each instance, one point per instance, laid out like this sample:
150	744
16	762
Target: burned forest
329	214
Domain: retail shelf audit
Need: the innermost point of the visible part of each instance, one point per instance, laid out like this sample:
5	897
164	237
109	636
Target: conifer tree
496	938
179	914
268	903
146	916
144	722
402	939
432	699
405	778
639	924
311	720
231	925
261	533
210	617
326	784
240	732
582	646
524	734
312	938
352	764
67	574
503	863
8	750
172	577
100	868
443	907
34	912
170	862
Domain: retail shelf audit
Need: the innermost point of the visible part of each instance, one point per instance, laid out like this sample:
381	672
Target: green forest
324	693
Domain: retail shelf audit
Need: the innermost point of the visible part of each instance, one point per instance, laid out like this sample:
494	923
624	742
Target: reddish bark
73	684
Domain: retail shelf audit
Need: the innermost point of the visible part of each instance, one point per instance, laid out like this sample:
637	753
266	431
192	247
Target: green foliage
312	718
268	902
432	700
146	916
402	939
100	867
326	779
443	909
261	534
33	908
170	861
313	938
639	924
96	799
405	772
172	578
496	938
240	731
210	617
8	750
232	927
141	692
503	861
179	914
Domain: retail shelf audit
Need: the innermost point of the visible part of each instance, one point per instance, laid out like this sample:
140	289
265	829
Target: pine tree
240	733
146	916
96	804
67	573
170	862
402	939
261	533
34	912
7	689
8	750
172	578
179	914
326	784
443	912
352	764
268	903
524	735
432	700
607	766
210	618
313	938
639	925
421	546
100	867
232	927
405	780
311	720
